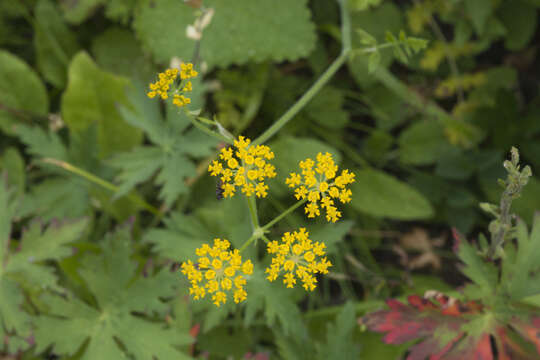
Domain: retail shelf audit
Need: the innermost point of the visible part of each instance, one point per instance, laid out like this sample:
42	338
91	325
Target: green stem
208	131
252	205
318	85
248	241
103	183
285	213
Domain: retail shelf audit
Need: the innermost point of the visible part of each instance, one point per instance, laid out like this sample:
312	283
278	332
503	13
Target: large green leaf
423	143
520	20
240	31
55	44
117	51
21	90
91	98
381	195
479	11
111	328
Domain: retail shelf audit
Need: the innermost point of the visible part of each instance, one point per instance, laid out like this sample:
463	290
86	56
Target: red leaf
421	318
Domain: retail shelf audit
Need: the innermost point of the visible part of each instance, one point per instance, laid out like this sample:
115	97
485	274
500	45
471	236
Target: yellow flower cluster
162	87
296	255
318	182
246	168
219	269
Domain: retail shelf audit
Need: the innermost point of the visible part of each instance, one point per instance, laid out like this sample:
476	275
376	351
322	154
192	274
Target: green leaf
91	98
55	44
374	61
41	143
175	145
520	20
381	195
479	11
117	51
340	343
12	165
57	198
110	276
26	264
482	273
422	143
76	12
182	235
326	108
376	21
240	31
275	302
21	90
331	234
522	275
120	10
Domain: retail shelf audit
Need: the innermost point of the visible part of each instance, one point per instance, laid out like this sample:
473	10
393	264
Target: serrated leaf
91	99
240	31
376	21
182	235
174	143
339	339
20	90
41	143
12	165
381	195
55	44
273	299
56	198
26	263
521	275
111	278
480	272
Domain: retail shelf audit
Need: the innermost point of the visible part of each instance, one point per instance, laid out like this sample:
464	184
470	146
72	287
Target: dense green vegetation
106	194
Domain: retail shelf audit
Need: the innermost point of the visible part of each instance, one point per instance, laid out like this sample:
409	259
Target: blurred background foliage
90	161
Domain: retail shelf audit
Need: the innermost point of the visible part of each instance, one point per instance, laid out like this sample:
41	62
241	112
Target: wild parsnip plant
244	179
243	167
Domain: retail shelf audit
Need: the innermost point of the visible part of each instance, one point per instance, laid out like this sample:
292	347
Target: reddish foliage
422	318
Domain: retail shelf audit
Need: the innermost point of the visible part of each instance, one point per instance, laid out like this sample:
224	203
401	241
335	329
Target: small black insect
219	190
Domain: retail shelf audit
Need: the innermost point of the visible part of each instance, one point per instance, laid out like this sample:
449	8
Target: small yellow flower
244	166
318	182
297	257
187	72
167	85
219	266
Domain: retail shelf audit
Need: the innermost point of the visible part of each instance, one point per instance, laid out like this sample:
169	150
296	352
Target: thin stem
285	213
252	205
319	84
248	241
206	130
99	181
